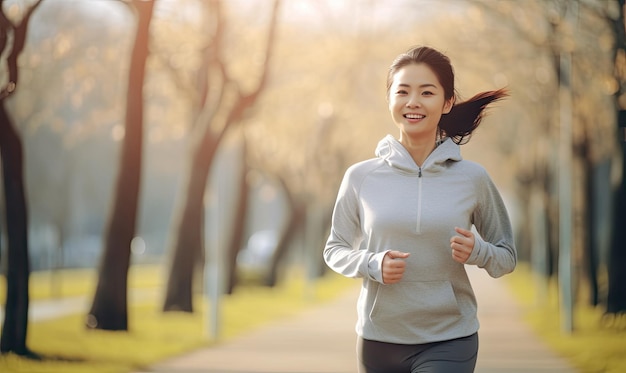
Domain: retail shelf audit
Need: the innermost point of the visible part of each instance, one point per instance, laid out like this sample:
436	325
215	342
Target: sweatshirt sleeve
494	249
342	252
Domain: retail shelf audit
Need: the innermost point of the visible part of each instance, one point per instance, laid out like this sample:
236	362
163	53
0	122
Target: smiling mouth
414	116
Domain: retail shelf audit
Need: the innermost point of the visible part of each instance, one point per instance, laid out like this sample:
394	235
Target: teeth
414	116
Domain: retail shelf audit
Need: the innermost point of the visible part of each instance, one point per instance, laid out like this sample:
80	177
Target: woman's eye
427	93
401	92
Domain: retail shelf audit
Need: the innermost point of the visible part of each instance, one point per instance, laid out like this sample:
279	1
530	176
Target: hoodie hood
391	151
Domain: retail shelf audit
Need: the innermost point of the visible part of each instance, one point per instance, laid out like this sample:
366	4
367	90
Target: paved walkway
322	340
507	344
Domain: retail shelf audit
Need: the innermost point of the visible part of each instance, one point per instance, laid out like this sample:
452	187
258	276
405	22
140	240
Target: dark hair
464	117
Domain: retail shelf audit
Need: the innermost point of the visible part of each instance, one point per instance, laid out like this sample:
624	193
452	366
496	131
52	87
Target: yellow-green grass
597	343
153	335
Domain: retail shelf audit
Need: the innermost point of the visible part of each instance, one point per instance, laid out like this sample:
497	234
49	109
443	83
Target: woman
402	222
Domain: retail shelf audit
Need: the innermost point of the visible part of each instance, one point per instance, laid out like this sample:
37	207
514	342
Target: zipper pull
419	172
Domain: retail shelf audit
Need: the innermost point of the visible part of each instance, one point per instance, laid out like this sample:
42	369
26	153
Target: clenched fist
393	266
462	245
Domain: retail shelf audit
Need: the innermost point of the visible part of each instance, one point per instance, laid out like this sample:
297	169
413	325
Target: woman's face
417	101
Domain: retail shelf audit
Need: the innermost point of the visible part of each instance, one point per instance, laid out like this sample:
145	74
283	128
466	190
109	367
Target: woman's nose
413	102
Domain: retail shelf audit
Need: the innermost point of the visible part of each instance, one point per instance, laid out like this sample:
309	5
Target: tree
591	149
15	326
219	112
109	309
613	14
239	220
308	207
616	298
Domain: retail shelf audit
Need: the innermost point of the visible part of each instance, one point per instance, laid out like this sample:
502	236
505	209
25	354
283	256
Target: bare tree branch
19	41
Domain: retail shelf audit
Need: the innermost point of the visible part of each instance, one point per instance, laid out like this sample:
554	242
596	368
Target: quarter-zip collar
397	156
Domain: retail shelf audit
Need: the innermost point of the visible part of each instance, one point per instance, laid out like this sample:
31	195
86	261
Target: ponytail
465	117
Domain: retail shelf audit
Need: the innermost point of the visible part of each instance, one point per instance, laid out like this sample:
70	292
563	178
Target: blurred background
198	133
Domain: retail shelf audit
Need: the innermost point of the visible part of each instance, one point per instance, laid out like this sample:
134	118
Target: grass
153	335
597	343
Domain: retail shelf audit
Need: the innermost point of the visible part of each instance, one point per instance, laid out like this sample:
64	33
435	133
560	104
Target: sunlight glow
118	132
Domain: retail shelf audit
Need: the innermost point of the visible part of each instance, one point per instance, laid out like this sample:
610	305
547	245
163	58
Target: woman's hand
393	266
462	245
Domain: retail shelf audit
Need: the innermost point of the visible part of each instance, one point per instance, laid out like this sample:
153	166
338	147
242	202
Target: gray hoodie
390	203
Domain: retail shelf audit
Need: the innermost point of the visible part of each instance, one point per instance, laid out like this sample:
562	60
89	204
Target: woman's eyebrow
425	85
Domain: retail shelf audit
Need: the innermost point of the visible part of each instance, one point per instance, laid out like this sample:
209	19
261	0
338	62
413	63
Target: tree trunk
239	222
295	219
15	326
109	310
14	329
188	239
616	298
591	254
188	236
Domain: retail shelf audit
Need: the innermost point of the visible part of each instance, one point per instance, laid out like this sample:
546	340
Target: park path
322	340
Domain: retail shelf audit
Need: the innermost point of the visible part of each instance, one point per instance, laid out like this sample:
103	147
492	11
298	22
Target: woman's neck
419	149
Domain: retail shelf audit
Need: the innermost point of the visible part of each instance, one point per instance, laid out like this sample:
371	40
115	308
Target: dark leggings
453	356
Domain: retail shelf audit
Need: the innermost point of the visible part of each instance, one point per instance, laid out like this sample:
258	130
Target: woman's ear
447	106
